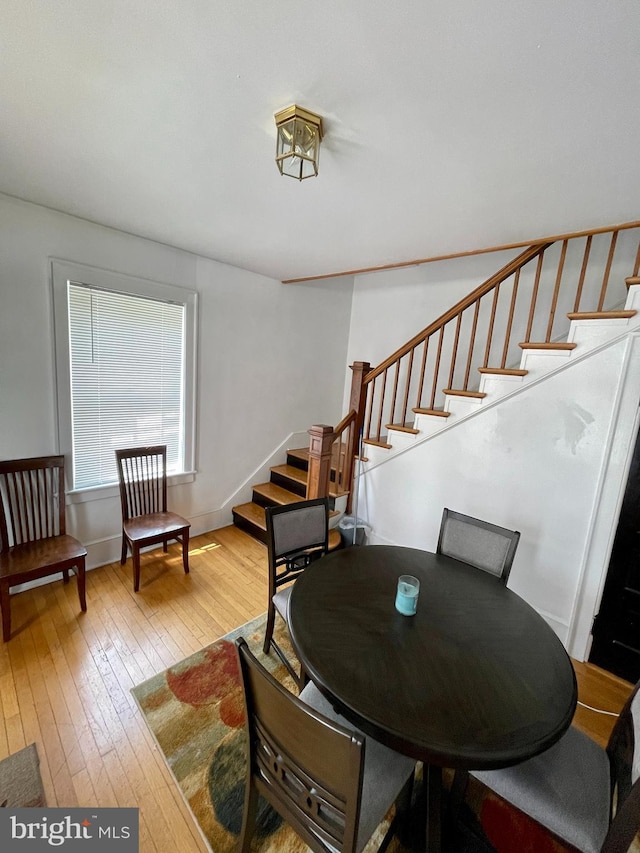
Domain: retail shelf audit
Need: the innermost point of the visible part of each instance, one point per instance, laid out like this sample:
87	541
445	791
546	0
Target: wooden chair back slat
143	480
32	500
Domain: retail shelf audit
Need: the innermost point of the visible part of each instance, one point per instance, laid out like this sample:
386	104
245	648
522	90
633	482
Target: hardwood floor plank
603	691
65	676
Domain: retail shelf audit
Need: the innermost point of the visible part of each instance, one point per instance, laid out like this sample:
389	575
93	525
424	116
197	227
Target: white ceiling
450	125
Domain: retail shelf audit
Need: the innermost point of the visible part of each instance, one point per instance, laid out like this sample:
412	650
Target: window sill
112	490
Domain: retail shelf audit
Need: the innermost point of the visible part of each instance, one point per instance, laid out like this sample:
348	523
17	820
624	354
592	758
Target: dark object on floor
20	780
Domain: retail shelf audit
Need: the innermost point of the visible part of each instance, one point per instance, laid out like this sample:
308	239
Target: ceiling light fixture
298	142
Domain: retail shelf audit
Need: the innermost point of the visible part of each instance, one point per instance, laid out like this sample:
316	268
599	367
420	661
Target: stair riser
296	462
591	333
402	440
259	499
429	424
539	363
497	386
248	527
461	406
291	485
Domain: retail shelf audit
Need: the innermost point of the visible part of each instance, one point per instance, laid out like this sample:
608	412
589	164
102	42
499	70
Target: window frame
61	273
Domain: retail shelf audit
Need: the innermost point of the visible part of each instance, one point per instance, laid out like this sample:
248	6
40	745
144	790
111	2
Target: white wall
270	359
550	461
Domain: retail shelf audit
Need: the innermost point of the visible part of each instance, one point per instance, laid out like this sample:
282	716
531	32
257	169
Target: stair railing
478	331
521	302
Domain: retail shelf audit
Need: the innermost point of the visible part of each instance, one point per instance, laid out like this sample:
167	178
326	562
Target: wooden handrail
505	247
344	423
485	287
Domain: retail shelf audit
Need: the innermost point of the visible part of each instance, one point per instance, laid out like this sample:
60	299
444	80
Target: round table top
476	679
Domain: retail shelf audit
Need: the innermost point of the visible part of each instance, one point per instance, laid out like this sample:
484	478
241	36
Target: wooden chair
479	543
313	768
33	538
297	534
142	472
585	795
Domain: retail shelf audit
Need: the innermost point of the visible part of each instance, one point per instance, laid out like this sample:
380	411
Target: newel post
320	444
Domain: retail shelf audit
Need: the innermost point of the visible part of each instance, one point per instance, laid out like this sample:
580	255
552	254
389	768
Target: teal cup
407	595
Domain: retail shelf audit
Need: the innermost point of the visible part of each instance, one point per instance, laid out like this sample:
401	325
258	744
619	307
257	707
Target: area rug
20	780
195	711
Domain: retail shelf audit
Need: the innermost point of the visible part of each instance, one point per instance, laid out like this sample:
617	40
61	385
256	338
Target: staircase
287	484
553	300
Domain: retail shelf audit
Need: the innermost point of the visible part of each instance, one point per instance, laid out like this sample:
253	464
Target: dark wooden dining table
476	679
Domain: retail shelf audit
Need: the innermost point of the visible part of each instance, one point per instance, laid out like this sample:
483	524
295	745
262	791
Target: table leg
433	808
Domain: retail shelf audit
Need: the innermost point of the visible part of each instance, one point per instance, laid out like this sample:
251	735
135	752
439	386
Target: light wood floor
65	676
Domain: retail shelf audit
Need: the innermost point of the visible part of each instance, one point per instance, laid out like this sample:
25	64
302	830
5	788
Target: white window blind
127	365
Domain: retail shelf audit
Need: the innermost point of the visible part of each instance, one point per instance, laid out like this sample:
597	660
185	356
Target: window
125	354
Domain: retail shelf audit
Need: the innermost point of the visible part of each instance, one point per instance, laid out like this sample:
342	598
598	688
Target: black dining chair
479	543
585	795
332	785
487	547
297	534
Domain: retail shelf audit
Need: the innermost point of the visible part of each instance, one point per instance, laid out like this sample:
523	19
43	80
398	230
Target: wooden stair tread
602	315
547	346
461	393
292	473
252	512
503	371
377	443
439	413
301	453
633	279
402	428
276	494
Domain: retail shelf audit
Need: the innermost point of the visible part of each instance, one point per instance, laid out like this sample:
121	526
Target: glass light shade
298	143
